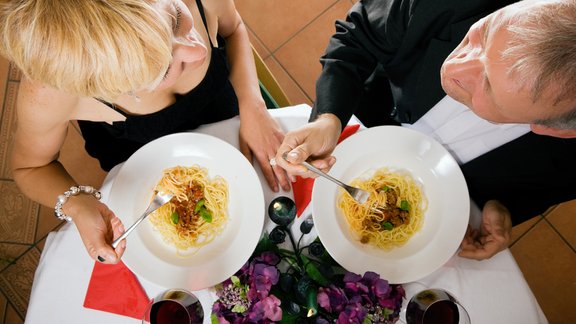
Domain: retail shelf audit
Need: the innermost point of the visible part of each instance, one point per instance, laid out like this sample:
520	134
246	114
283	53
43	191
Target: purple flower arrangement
246	298
303	285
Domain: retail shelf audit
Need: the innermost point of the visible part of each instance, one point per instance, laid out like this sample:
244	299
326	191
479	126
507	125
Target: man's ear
555	132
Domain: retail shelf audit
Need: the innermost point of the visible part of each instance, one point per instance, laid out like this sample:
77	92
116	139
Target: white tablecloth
493	291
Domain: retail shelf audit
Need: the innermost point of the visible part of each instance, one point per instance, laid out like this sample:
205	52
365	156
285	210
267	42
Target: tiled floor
290	36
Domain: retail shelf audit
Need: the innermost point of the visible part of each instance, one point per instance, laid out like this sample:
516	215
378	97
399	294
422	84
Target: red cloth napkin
115	289
302	187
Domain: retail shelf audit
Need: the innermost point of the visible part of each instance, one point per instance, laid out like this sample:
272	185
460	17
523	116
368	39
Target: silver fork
360	195
159	200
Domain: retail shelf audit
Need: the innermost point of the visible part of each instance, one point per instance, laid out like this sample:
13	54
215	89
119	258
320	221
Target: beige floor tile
276	21
257	44
300	56
519	230
563	219
81	166
18	215
7	128
16	281
549	266
292	90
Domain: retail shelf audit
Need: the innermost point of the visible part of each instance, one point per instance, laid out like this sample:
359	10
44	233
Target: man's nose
467	63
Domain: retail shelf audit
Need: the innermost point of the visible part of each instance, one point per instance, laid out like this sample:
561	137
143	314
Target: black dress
212	100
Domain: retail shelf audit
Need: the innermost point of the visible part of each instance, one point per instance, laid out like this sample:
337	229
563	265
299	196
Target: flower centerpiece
302	284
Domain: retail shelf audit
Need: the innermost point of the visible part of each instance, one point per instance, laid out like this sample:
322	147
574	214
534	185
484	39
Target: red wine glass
435	306
174	306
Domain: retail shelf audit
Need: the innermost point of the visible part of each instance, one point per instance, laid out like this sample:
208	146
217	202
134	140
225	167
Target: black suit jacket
383	64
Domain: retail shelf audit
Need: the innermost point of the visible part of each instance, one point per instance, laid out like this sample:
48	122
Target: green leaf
385	188
367	320
239	308
199	205
205	214
175	218
404	205
387	312
388	226
214	318
292	263
313	272
235	281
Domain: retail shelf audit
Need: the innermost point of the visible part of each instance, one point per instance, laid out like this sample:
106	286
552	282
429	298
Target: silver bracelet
73	191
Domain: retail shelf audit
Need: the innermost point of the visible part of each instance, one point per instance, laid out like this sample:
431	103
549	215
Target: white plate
147	255
445	220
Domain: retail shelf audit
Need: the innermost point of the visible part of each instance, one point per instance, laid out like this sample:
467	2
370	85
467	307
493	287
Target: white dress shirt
464	134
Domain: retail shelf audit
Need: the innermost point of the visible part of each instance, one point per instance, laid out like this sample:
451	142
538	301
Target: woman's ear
555	132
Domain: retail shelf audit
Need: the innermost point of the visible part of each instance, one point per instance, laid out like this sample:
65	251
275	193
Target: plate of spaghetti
417	212
211	226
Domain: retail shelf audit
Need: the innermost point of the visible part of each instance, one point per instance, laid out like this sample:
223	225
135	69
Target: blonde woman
129	71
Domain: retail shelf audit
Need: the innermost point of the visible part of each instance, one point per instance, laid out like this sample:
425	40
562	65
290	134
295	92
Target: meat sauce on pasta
393	213
197	213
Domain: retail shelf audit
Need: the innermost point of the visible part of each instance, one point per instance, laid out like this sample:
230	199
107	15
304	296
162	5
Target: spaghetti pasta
197	213
393	213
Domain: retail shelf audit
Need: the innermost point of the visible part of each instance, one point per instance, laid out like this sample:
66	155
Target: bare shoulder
43	107
219	8
42	124
226	13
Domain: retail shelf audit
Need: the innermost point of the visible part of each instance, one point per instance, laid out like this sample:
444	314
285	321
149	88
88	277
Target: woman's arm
43	117
40	133
260	134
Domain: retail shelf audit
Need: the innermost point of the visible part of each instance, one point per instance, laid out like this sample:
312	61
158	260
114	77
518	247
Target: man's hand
314	142
493	235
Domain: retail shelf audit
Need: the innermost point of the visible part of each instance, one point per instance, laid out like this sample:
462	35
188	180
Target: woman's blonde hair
97	48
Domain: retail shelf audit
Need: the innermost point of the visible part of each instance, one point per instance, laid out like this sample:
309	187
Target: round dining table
493	291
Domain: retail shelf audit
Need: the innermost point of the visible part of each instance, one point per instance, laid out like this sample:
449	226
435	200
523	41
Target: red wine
441	312
169	312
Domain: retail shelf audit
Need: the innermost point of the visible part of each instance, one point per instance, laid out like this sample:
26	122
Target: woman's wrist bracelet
73	191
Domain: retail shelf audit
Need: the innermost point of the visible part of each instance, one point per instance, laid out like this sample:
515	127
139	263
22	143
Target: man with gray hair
493	81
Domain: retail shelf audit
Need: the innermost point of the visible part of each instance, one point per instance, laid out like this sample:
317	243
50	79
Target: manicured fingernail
101	259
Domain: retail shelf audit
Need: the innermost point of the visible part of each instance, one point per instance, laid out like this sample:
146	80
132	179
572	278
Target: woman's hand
315	140
492	237
260	137
98	227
